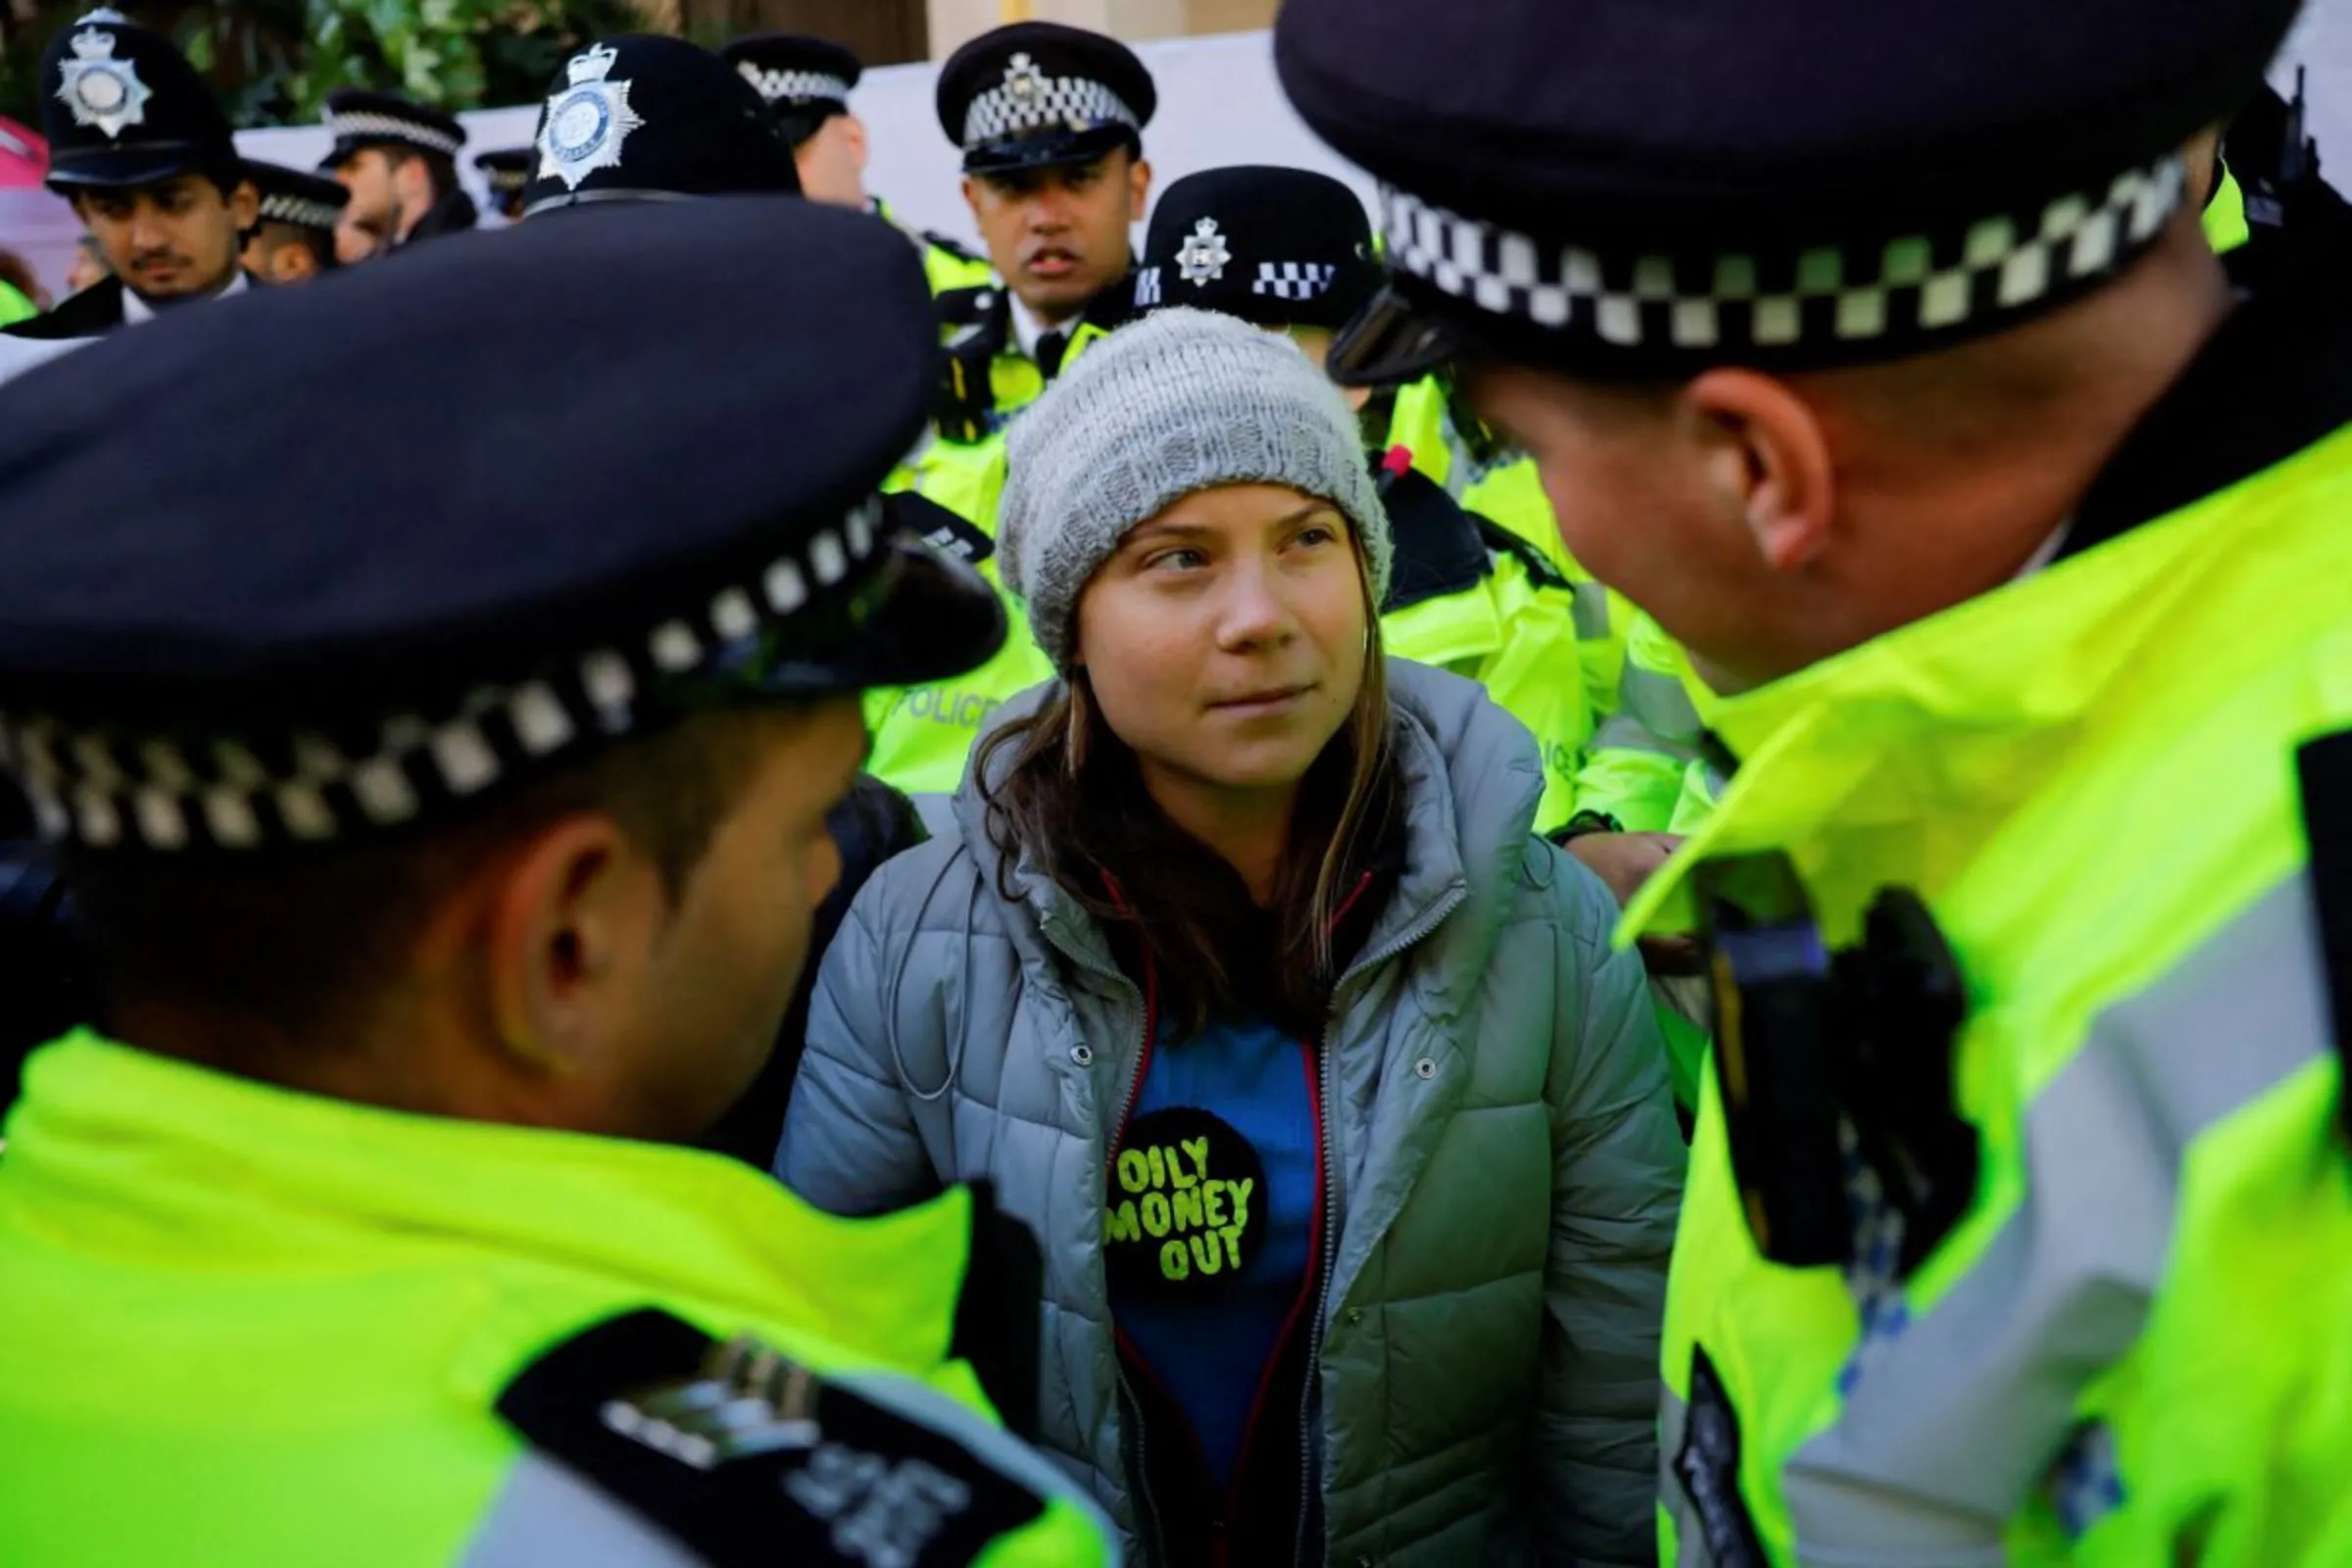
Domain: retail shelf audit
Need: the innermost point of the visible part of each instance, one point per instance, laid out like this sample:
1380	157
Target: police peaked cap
661	433
1038	94
804	80
1281	246
1616	186
360	119
291	196
122	107
644	116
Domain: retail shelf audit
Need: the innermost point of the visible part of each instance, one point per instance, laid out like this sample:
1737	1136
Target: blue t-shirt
1221	1162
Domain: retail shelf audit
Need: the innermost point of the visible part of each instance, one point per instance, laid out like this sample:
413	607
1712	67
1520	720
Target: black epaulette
92	313
944	530
1438	549
1542	569
2324	771
976	325
1114	307
748	1458
962	253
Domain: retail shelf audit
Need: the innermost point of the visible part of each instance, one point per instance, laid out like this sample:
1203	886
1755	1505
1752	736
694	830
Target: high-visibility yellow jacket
1653	764
2130	1349
947	264
250	1326
2226	226
1506	488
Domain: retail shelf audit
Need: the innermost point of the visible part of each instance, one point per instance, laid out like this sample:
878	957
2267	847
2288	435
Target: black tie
1051	347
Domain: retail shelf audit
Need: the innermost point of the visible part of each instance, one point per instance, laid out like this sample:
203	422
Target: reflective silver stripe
1689	1538
545	1513
985	1441
1623	733
1590	611
1660	702
1955	1419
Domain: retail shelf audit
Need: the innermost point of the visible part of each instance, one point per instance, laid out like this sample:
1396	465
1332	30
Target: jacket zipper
1146	1512
1299	1309
1335	1202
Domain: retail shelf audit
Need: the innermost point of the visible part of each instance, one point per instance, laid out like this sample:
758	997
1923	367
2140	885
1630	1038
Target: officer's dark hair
295	949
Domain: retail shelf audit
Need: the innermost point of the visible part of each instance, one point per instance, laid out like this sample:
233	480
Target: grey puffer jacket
1502	1142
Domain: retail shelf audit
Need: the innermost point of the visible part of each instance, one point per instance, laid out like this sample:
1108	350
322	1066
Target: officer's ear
244	206
1139	186
567	916
292	264
854	129
971	198
1766	458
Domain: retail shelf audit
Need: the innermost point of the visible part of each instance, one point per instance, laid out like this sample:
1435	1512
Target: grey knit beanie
1179	402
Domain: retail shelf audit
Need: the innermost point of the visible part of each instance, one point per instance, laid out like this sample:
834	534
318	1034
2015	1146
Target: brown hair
1073	796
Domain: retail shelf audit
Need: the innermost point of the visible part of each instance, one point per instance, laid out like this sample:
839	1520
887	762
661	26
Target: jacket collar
136	310
1920	739
1471	782
1902	758
2274	378
272	1169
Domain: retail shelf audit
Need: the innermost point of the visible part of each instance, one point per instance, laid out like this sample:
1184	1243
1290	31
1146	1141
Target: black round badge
1187	1207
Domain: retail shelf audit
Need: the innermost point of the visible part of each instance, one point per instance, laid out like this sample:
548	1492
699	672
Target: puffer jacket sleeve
1616	1188
850	1146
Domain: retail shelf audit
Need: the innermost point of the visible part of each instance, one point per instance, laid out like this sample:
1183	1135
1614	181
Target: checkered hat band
1294	281
1051	103
1821	298
175	793
367	126
795	86
300	211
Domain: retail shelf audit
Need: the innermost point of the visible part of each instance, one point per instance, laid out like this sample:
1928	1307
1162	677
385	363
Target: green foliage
273	61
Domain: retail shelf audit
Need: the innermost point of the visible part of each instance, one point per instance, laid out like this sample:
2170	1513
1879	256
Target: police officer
293	239
1883	361
442	861
1051	120
807	83
645	117
505	170
140	148
1291	251
398	159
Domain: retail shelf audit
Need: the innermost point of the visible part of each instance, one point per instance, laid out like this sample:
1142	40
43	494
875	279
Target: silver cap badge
101	90
1202	258
588	121
1022	79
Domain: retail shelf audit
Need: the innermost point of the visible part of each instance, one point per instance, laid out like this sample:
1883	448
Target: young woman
1248	987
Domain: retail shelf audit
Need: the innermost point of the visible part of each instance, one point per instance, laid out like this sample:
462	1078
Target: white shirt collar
2047	553
136	310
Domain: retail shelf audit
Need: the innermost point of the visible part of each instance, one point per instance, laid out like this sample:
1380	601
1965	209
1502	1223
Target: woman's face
1224	639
